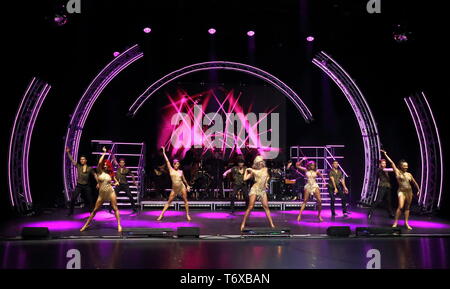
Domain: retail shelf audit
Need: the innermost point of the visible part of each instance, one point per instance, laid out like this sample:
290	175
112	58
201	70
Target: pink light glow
116	53
211	31
186	125
251	33
147	30
310	38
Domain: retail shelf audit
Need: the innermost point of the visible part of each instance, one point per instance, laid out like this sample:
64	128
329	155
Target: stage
221	245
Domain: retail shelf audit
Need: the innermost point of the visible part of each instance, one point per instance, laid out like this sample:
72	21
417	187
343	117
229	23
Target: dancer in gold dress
179	186
311	187
404	192
258	192
105	176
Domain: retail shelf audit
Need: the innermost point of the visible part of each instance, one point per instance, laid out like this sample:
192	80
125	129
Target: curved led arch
364	116
223	65
19	145
84	106
432	165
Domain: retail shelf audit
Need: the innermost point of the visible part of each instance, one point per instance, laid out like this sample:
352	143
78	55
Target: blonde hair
258	163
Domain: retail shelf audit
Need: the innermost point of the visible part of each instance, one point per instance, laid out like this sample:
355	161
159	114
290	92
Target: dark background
68	57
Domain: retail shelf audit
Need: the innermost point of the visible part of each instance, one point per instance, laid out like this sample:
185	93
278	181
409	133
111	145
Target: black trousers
236	189
383	193
86	195
126	188
341	195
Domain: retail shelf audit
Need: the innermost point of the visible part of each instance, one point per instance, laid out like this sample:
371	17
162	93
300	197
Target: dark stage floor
221	245
215	223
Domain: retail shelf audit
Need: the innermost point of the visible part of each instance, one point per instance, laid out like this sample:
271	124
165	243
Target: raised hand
104	149
68	149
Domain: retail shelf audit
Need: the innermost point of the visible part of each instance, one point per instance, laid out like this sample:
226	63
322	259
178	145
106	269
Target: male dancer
239	185
336	184
121	175
384	190
83	186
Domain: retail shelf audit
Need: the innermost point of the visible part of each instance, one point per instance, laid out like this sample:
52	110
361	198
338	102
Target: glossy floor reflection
325	253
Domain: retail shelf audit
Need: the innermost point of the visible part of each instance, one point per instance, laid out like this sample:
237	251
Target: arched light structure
366	121
223	65
432	164
19	144
84	106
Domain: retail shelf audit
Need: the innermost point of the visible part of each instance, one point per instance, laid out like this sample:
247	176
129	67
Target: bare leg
408	201
166	206
305	201
401	203
265	205
251	204
116	211
97	207
319	204
186	204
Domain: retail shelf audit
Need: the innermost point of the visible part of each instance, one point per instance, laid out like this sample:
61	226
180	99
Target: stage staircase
323	156
133	153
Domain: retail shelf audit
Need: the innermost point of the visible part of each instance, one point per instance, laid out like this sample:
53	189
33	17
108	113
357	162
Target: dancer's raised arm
100	161
166	158
299	165
70	157
396	170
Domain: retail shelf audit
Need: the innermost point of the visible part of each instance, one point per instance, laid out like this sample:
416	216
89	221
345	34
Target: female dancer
311	187
179	186
405	193
258	191
105	175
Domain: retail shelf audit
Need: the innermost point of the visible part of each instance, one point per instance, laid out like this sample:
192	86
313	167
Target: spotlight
400	33
310	38
60	19
147	30
116	53
211	31
250	33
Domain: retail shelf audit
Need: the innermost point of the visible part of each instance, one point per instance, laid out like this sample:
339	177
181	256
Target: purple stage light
147	30
251	33
310	38
116	53
166	214
215	215
211	31
258	214
56	225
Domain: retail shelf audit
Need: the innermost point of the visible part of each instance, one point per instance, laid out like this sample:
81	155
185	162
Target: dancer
179	186
121	174
405	193
258	191
239	185
384	190
311	188
336	186
105	175
83	186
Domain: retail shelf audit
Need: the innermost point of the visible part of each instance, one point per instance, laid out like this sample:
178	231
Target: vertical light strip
419	133
441	177
12	139
427	158
27	141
